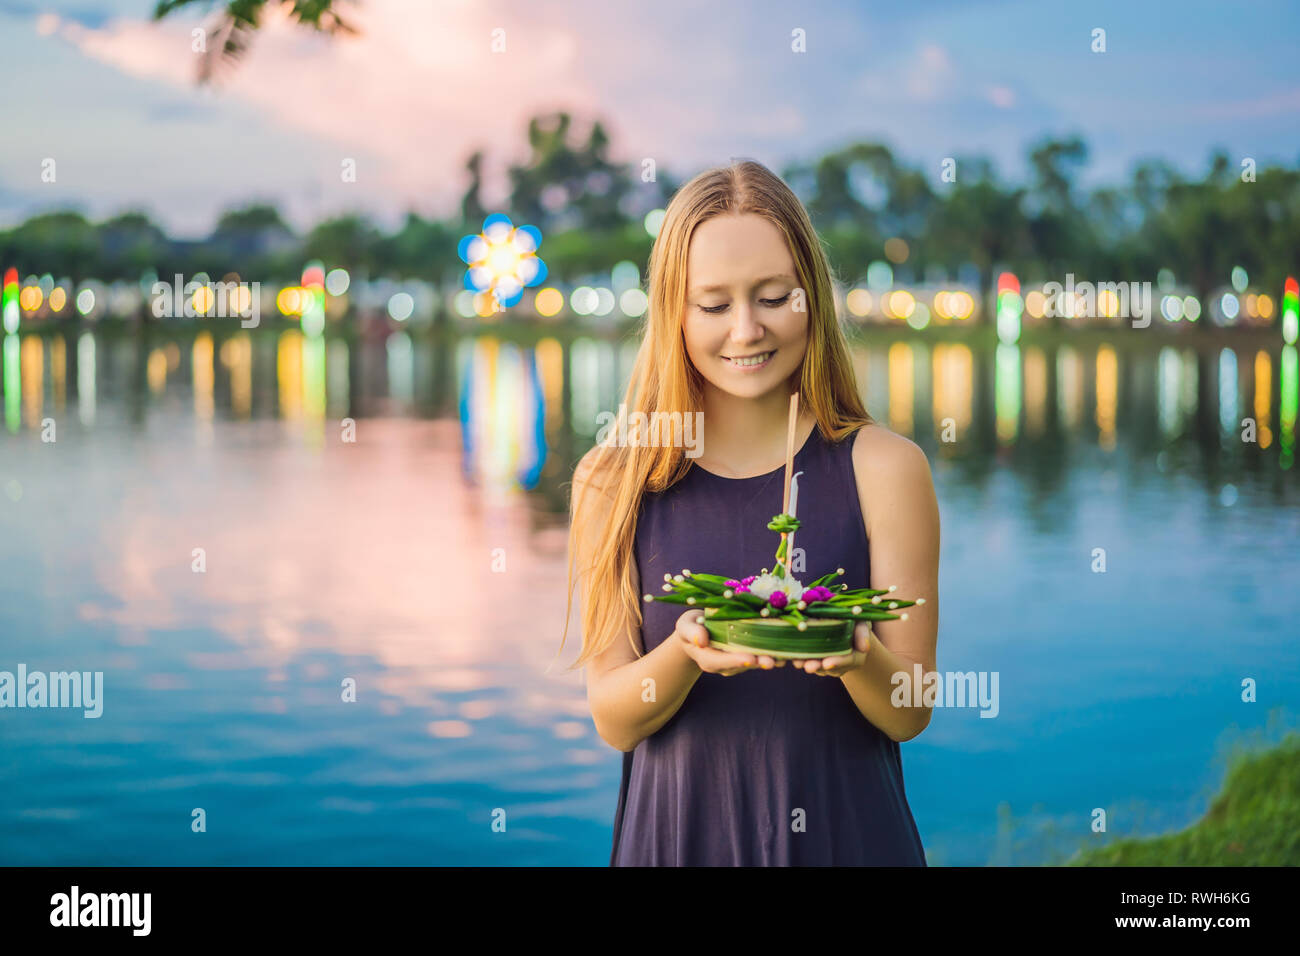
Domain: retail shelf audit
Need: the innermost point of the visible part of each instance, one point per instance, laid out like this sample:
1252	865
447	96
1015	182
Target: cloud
924	75
417	89
1002	97
929	75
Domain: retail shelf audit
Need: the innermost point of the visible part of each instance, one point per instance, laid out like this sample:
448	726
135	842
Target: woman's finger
715	660
731	671
693	634
691	629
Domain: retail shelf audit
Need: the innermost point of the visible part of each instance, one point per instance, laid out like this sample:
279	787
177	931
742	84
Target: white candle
794	493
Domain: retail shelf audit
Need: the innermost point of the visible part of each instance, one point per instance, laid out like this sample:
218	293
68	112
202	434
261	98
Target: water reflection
421	553
527	409
1290	394
502	410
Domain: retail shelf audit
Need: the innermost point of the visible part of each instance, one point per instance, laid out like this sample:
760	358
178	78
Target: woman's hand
837	666
695	641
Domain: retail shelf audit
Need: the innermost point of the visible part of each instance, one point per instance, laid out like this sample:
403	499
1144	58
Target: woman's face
746	324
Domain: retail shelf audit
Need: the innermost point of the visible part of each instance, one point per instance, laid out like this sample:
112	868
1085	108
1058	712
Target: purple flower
748	581
818	593
733	583
778	599
739	585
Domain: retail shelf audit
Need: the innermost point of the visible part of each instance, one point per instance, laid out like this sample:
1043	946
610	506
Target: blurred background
440	220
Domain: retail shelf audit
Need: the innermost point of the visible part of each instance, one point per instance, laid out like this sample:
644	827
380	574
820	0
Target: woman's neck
744	437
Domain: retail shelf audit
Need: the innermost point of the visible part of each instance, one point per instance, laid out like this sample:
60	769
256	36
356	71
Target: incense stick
789	470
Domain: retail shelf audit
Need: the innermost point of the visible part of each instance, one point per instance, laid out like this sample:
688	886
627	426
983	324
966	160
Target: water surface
424	560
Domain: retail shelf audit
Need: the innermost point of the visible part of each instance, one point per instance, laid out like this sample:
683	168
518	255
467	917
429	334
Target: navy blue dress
767	768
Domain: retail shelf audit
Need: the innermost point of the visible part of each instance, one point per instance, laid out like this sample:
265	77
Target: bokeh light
548	302
400	306
502	260
634	303
337	281
859	302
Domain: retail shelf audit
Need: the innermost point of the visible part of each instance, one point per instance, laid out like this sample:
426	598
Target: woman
798	765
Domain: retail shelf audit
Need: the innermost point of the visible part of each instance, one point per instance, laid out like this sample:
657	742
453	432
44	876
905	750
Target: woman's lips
755	366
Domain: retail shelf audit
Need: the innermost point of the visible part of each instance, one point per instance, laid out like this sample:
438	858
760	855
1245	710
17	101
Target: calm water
425	561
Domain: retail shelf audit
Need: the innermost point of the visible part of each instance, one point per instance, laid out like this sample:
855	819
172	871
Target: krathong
774	613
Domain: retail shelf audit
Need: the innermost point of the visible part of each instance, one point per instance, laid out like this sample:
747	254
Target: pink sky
112	96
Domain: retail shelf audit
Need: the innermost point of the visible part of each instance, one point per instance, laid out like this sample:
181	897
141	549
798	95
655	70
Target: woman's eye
770	303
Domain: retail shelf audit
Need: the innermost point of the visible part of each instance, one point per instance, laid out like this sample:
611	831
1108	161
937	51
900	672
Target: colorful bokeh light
502	260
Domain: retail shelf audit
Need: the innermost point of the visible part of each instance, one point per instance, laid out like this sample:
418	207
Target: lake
232	526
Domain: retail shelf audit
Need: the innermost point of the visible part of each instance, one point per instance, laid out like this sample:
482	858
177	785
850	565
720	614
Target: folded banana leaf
780	638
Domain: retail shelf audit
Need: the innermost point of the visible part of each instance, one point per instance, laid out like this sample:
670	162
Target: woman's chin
750	386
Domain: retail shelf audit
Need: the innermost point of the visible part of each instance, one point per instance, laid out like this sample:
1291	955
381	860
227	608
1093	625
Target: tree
240	19
422	248
472	210
567	185
983	223
62	243
128	245
347	241
1058	229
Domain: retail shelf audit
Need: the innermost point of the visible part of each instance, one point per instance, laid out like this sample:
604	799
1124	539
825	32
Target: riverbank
1253	821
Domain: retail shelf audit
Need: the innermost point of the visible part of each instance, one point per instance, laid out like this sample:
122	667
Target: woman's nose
745	328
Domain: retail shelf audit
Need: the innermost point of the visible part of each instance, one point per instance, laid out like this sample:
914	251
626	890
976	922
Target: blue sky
110	96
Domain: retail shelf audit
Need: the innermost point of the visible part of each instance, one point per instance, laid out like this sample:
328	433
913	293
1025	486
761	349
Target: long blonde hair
663	379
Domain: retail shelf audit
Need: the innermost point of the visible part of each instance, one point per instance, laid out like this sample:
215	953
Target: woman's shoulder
595	472
885	461
875	441
597	477
587	465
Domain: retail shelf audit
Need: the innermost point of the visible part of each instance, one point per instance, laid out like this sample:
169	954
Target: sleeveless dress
768	768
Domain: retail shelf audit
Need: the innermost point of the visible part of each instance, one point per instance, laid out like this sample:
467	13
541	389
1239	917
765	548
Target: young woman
732	759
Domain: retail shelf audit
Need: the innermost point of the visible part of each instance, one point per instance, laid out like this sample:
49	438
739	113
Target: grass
1253	821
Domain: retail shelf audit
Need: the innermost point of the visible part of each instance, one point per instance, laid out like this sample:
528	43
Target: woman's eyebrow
757	283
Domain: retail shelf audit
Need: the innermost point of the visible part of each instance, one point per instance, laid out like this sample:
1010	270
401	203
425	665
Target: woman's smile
749	363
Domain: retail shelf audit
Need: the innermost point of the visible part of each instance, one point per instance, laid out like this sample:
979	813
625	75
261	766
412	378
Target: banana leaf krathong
775	614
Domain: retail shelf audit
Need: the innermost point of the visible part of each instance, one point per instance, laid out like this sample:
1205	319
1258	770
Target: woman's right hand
695	641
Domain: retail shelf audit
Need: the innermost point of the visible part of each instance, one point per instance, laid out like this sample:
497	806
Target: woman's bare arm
631	697
901	515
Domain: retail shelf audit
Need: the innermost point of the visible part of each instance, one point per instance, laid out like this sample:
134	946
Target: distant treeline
954	218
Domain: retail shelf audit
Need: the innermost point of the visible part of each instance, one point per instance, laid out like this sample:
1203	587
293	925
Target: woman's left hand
837	666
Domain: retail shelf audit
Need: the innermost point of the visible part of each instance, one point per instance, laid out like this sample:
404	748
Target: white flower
765	584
